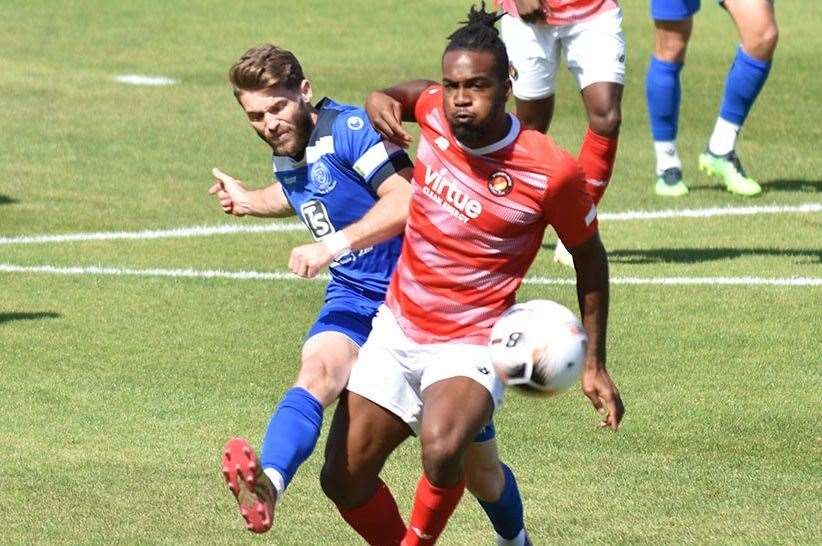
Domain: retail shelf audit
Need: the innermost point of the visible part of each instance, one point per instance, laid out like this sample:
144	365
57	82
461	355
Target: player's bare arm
388	108
235	199
591	263
384	220
530	11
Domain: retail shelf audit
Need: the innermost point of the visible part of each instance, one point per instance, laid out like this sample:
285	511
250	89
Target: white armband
337	244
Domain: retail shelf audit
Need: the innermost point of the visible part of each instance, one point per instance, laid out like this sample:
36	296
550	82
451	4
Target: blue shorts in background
673	10
348	311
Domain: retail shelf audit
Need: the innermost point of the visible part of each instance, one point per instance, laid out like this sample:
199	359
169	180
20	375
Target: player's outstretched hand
308	260
385	114
231	193
603	394
530	11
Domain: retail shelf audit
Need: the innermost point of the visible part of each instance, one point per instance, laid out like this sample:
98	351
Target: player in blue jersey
351	191
673	19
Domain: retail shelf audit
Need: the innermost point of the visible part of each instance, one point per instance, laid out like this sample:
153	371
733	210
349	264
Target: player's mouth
463	117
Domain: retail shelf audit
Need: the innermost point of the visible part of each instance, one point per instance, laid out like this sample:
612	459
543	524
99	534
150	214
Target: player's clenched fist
308	260
231	194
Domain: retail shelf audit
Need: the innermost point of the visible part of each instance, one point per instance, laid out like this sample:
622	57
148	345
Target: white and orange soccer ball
538	346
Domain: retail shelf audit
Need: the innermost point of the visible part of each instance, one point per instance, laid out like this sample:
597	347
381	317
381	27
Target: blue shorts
347	311
488	432
676	10
673	10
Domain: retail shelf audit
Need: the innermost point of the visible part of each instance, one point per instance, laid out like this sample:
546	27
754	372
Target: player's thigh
460	391
671	39
454	411
603	103
534	56
362	436
327	358
536	114
756	22
595	49
483	471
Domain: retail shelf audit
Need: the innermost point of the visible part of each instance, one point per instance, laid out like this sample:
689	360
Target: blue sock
292	432
663	93
745	79
506	514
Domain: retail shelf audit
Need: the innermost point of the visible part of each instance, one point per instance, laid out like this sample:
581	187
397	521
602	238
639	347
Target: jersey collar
498	145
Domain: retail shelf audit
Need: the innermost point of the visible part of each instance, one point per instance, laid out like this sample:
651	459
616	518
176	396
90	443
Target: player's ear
305	91
512	75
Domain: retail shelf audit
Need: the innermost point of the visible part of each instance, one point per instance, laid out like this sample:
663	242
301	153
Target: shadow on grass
693	255
8	317
6	200
806	186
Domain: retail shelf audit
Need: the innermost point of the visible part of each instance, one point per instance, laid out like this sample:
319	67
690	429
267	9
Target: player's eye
255	117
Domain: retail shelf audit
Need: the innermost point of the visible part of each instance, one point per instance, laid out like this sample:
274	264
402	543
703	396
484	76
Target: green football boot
670	184
729	169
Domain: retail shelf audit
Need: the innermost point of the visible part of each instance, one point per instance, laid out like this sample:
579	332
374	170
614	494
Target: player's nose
462	98
271	122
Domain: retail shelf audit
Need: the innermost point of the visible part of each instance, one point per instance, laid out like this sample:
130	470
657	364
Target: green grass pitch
117	393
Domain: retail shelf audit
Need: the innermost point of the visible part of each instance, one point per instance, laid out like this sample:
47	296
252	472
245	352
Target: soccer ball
538	346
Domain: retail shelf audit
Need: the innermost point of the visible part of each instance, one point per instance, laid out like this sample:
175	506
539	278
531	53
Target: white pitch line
710	212
228	229
195	231
140	79
286	276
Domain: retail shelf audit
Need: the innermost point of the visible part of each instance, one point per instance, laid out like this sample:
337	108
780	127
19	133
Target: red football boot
252	489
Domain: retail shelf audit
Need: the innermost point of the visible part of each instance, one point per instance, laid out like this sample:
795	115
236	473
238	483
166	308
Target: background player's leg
295	426
361	438
495	487
663	93
536	114
758	31
598	152
454	411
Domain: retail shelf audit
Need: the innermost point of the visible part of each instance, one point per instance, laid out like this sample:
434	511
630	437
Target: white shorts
594	51
392	370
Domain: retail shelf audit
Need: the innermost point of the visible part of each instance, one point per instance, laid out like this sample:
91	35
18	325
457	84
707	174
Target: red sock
596	158
432	507
378	521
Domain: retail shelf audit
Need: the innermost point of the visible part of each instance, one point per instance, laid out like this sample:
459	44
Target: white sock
276	480
723	139
518	540
667	156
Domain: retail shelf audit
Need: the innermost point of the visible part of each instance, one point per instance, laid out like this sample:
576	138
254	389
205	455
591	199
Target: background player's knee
326	364
606	119
761	43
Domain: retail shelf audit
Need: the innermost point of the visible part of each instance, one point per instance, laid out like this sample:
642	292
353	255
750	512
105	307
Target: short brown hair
266	67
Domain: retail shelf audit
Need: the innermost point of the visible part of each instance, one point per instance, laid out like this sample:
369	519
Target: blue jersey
336	183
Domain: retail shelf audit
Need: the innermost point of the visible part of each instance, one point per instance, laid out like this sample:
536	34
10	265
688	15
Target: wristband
337	244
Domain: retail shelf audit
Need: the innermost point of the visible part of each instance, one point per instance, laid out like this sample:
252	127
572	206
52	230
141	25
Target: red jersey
476	223
565	12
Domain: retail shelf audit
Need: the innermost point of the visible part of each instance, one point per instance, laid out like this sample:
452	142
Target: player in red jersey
485	190
588	34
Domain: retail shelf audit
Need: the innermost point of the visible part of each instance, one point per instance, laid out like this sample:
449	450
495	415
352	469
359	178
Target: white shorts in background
594	51
392	370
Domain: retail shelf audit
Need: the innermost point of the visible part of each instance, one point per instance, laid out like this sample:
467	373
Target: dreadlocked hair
478	33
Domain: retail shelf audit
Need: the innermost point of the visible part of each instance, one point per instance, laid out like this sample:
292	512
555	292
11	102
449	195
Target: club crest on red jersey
500	183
